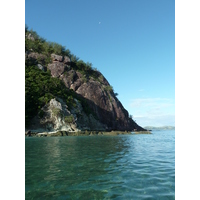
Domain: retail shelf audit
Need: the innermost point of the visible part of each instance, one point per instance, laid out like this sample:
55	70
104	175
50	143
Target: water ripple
122	167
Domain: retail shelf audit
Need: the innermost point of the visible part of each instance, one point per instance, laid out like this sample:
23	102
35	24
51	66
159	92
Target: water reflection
99	167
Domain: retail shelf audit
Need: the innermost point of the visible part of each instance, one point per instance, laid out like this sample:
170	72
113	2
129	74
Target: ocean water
101	167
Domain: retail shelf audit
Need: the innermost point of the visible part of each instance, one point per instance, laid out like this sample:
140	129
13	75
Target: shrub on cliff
40	88
109	88
69	119
35	43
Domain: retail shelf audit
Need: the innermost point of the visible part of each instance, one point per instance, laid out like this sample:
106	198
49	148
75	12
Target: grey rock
35	57
43	68
67	60
30	37
28	132
56	57
57	68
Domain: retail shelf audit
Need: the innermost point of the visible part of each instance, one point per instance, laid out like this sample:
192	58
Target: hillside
65	93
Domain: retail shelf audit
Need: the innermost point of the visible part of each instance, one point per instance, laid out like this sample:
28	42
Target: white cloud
153	111
152	106
151	102
156	120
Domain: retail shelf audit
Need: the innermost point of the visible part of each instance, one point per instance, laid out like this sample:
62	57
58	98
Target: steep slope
64	93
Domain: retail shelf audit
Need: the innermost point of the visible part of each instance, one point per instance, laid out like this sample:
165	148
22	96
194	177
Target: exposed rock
102	101
57	68
35	58
54	118
43	68
107	107
97	108
30	37
108	112
142	132
56	57
85	122
69	78
82	133
67	60
28	133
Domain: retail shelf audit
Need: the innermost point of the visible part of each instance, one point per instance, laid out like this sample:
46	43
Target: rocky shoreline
143	132
82	133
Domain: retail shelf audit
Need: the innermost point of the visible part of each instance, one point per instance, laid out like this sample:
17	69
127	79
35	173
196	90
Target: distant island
160	128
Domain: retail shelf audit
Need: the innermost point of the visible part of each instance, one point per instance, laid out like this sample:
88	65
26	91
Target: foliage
40	88
109	88
40	45
84	79
69	119
56	111
116	94
100	78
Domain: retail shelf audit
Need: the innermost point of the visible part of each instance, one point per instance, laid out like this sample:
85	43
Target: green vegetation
86	69
35	43
109	88
101	78
69	119
56	111
41	87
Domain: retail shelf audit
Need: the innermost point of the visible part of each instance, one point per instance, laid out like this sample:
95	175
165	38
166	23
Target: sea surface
137	166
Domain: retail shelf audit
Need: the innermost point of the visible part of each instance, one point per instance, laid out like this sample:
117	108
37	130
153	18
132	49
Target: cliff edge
64	93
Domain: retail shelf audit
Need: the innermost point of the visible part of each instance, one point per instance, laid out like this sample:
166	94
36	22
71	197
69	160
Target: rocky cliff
69	95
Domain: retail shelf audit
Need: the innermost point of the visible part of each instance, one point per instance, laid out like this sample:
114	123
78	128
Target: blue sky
131	42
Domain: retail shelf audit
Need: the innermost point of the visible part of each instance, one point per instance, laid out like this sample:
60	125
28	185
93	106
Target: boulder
57	68
28	133
42	67
56	57
69	78
35	58
67	60
30	37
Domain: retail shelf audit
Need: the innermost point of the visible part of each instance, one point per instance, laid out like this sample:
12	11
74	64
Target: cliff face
103	111
58	117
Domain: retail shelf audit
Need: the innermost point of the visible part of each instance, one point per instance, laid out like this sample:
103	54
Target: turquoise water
101	167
